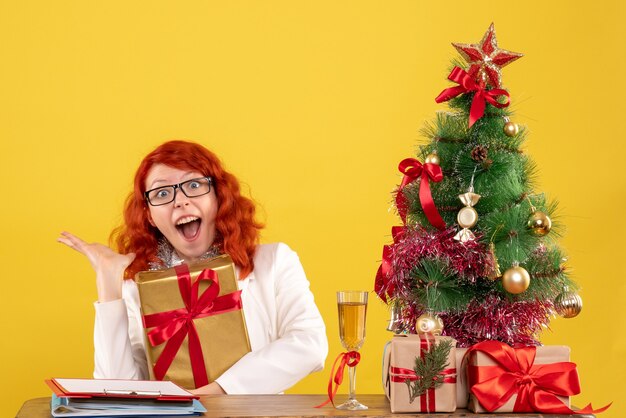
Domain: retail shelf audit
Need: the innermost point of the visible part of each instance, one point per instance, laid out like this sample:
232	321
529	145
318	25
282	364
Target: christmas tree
476	256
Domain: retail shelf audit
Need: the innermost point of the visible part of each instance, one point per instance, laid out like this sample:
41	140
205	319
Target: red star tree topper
486	59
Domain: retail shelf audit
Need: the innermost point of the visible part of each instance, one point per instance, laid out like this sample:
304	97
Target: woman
185	207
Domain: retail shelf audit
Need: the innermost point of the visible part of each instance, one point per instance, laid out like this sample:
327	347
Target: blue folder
117	407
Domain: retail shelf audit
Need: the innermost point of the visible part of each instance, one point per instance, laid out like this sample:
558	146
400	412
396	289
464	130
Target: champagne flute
352	306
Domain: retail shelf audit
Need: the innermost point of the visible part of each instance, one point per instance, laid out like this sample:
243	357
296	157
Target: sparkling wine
352	324
352	306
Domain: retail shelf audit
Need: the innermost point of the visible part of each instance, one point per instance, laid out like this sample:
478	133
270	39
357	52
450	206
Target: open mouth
189	227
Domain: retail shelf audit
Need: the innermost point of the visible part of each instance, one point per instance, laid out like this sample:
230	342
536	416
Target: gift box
462	392
528	379
410	391
193	319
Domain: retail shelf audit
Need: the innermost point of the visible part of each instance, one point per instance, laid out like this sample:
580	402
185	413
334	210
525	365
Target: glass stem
352	376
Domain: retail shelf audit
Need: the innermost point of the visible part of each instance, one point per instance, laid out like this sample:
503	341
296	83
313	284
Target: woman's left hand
108	264
210	389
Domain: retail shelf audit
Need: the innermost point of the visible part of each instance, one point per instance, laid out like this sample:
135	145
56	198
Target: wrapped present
527	379
193	319
420	373
462	392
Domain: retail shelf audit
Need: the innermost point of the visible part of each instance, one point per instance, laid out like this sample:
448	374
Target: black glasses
191	188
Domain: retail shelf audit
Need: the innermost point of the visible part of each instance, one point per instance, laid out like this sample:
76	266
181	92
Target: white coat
286	331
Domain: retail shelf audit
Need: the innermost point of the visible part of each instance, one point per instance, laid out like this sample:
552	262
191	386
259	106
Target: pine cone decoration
479	153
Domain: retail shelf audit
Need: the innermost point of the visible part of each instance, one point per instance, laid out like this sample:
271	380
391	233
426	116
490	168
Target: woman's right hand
108	264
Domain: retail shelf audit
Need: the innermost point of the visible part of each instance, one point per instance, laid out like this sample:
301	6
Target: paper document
75	387
121	398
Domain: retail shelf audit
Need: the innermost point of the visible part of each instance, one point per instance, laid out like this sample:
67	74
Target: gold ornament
511	129
495	274
516	280
432	158
467	216
429	323
539	223
568	304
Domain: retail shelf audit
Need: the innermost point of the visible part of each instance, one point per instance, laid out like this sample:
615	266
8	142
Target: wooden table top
220	406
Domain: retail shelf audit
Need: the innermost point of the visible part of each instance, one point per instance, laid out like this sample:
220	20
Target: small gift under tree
420	373
527	379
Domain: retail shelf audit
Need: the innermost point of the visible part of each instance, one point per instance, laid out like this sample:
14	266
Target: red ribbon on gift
382	284
427	400
173	326
350	359
401	375
536	385
467	84
412	170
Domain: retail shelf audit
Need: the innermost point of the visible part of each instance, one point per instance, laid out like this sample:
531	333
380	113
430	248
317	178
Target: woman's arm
118	339
119	351
301	346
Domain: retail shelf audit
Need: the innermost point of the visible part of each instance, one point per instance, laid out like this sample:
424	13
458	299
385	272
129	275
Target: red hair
237	232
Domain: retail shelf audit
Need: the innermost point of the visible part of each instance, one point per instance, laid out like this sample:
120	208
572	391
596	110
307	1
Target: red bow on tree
382	284
537	386
412	170
467	84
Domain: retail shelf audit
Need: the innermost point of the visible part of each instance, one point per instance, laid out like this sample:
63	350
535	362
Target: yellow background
311	104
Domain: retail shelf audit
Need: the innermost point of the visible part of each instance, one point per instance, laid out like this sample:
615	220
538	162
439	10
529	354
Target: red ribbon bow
467	84
382	284
536	385
173	326
350	359
412	170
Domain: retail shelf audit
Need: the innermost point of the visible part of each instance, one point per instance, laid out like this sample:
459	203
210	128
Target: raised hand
108	265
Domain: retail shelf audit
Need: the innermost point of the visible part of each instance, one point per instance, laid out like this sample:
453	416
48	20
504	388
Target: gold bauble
432	158
467	217
429	323
511	129
516	280
568	304
539	223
